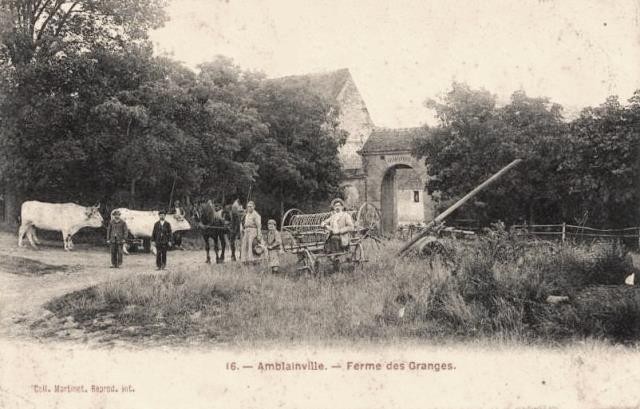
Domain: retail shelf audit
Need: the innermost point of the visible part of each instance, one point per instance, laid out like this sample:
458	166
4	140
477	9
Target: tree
49	51
583	170
42	29
147	131
58	144
297	161
475	139
601	166
228	127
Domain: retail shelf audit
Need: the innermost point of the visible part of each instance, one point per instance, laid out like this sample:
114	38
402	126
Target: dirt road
23	293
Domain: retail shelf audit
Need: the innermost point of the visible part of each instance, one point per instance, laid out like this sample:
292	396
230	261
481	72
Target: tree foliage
42	29
602	165
120	125
299	157
571	170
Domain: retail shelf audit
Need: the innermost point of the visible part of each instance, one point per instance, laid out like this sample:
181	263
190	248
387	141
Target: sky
401	52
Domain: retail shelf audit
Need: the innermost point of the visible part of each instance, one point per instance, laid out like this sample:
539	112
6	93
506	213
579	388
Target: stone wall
354	118
410	211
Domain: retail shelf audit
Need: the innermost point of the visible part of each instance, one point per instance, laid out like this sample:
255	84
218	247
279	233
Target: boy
161	237
179	215
116	235
274	246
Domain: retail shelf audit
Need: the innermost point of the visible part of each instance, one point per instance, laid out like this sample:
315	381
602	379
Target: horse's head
220	216
194	212
201	214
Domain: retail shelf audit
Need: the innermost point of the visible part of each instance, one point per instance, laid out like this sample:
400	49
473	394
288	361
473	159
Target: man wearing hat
161	237
116	235
340	225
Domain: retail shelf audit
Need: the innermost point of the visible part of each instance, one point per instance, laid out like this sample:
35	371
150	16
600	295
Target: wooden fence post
564	232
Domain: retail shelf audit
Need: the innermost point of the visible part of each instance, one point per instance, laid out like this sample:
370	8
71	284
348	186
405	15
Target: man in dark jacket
161	237
116	235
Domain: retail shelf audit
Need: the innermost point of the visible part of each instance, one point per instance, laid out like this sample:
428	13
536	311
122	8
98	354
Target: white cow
140	222
66	218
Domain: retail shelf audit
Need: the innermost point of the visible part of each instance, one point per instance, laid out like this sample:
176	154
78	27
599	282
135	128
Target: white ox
66	218
140	222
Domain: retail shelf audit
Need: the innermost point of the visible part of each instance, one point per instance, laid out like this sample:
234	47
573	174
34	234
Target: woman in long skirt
274	246
252	229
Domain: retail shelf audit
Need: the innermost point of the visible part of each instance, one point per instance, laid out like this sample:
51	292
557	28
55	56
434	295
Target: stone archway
395	183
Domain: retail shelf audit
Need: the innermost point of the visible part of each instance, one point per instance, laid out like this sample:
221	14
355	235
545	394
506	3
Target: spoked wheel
368	216
357	256
308	262
432	248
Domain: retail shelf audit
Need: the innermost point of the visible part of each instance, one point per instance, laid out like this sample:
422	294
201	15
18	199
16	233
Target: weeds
497	290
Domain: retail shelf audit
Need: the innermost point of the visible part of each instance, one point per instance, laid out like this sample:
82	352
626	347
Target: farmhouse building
377	162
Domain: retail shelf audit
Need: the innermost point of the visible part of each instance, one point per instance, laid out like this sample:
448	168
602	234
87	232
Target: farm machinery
429	240
304	236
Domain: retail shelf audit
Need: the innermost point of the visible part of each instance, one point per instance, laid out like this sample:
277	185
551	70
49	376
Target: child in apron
274	246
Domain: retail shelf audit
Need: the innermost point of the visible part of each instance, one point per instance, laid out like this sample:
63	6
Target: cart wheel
316	268
358	254
335	263
302	263
307	262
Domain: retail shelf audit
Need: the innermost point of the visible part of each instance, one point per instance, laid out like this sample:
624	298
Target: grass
496	290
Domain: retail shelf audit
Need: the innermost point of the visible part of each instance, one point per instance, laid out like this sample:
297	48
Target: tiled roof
326	84
392	140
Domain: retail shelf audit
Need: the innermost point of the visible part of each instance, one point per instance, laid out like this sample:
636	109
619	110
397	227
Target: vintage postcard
319	203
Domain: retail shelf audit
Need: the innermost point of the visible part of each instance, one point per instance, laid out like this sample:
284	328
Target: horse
215	222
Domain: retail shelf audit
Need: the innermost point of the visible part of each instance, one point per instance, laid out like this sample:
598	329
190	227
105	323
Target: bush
502	283
609	312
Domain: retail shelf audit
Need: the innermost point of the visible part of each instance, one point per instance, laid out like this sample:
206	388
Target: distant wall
354	118
410	211
410	197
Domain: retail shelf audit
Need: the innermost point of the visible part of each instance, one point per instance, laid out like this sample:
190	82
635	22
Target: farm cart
304	236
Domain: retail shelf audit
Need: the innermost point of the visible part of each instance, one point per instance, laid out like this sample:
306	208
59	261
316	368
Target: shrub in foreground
505	295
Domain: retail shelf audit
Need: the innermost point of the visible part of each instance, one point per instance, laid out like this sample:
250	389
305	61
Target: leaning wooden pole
173	187
459	203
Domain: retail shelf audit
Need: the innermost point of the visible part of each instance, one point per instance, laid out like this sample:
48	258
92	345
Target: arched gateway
392	179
